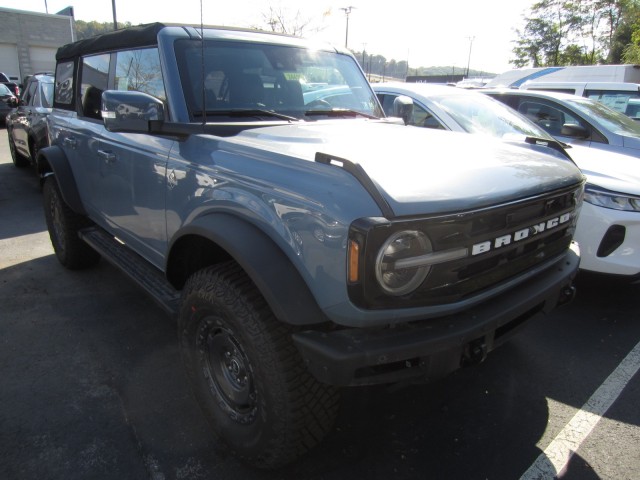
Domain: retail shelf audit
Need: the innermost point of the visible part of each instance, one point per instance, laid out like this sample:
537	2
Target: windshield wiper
551	143
339	112
246	112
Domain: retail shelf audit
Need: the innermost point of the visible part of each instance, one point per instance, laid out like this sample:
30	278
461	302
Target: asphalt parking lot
91	386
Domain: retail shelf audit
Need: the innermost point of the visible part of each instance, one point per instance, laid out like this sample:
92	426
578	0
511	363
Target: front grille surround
462	279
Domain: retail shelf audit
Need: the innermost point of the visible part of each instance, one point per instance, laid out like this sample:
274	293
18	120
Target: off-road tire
19	160
63	225
34	148
246	374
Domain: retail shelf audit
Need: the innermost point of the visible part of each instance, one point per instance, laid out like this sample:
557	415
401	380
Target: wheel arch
52	161
218	237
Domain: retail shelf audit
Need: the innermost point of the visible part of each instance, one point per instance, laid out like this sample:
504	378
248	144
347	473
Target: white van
623	97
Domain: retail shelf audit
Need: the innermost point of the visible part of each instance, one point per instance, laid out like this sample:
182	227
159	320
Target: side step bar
135	267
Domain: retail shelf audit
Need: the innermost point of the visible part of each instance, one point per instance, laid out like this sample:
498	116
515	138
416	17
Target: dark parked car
26	124
7	100
10	84
302	245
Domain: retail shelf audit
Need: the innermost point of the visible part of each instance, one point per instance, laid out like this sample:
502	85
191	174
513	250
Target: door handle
107	156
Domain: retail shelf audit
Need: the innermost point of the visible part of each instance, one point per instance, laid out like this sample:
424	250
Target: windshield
4	90
481	114
613	121
243	80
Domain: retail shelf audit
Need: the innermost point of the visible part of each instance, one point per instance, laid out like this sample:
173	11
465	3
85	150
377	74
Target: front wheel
63	225
246	373
18	159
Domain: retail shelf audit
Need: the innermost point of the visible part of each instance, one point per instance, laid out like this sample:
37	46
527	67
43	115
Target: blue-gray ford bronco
251	184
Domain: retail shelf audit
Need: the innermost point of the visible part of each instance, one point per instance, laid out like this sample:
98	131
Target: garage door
43	59
9	60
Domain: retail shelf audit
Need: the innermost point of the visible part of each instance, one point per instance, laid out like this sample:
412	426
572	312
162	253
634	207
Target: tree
93	28
627	39
574	32
281	21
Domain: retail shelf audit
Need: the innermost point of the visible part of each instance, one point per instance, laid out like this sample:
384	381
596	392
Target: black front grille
509	240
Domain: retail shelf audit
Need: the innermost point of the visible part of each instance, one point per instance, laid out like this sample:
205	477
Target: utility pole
115	21
406	74
347	11
471	39
364	49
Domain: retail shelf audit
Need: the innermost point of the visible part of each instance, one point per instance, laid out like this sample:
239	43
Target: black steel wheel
63	225
246	373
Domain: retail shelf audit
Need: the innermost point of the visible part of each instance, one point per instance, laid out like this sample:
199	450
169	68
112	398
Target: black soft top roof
140	36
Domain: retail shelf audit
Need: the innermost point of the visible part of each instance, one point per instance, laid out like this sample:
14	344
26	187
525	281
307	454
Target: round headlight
402	246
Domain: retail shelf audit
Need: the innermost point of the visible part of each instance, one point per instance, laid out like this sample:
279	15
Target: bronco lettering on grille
520	235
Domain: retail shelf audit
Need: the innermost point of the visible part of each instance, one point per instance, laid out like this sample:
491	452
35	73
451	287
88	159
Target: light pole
471	39
115	21
347	11
364	49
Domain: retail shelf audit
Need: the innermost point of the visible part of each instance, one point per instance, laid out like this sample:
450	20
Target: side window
547	116
63	95
616	99
94	79
27	98
36	101
46	94
424	118
139	70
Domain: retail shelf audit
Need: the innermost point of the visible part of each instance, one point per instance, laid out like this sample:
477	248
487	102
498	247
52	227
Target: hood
422	171
610	170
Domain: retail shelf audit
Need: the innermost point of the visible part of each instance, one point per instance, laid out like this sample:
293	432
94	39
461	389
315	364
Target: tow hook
567	295
476	352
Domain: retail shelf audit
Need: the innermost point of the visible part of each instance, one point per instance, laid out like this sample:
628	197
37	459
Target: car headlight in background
607	199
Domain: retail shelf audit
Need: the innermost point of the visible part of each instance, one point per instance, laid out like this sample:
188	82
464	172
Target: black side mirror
573	130
130	111
403	108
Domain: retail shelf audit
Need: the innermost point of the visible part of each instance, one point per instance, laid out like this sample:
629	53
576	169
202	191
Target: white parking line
556	456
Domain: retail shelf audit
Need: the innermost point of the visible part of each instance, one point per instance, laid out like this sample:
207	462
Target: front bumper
593	233
430	349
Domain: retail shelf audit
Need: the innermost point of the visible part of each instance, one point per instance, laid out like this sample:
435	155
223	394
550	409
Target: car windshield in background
479	114
4	90
260	78
610	119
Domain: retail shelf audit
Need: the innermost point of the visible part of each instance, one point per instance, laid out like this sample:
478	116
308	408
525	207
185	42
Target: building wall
29	40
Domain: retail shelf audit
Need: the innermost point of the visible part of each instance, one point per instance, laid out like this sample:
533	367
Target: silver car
575	120
460	110
608	229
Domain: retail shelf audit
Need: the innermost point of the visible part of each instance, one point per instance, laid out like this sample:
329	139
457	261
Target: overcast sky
426	33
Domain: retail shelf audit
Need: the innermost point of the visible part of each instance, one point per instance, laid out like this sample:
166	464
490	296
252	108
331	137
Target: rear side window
616	99
94	80
63	97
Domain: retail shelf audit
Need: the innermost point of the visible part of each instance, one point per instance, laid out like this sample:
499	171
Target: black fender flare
280	283
57	161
